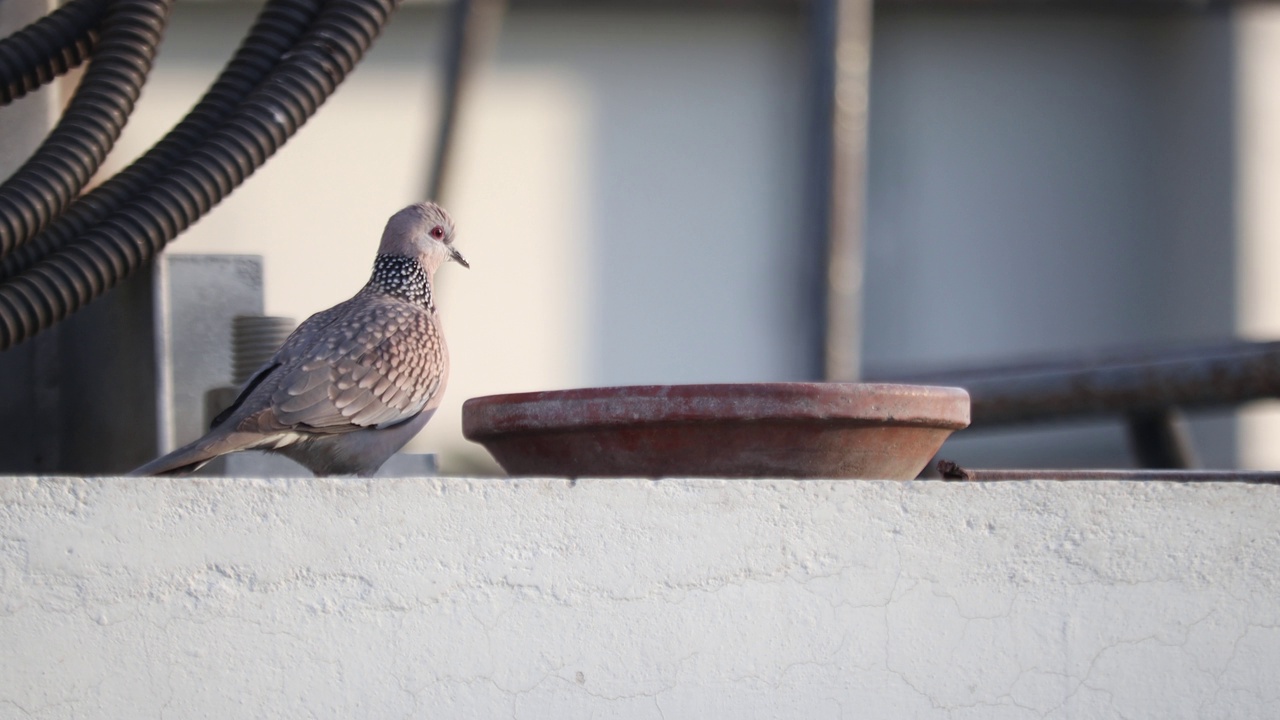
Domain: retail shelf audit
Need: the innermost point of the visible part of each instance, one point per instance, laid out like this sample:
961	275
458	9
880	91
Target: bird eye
437	232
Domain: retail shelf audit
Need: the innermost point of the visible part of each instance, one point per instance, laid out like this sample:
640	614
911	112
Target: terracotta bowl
793	430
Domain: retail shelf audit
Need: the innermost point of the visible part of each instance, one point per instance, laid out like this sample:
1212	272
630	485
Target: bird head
423	231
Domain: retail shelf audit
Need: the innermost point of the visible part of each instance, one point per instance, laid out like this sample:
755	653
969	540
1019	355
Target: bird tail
193	456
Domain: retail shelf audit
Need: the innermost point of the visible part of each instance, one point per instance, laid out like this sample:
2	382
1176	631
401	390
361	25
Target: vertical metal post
842	34
474	26
1160	440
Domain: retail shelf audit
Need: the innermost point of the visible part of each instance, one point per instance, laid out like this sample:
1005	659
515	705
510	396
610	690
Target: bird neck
403	278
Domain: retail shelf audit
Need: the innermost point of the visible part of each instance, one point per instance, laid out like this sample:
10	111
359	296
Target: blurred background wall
629	185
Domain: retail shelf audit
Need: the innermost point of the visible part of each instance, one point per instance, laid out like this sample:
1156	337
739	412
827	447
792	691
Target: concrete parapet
449	598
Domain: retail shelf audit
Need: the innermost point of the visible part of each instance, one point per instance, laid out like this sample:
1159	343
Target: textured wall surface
634	599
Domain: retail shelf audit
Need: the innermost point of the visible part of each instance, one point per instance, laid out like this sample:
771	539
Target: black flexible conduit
124	241
48	181
278	27
48	47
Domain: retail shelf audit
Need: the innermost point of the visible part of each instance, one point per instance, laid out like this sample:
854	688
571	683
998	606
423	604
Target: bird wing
360	366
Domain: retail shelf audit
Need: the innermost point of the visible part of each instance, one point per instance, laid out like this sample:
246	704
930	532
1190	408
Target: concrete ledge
446	598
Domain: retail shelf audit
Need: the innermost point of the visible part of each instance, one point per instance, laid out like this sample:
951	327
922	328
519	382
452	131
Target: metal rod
1221	375
952	471
474	26
842	30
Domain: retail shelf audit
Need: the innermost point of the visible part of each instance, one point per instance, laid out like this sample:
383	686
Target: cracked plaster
404	598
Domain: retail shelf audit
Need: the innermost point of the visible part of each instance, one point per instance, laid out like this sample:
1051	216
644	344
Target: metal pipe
842	30
474	26
1212	376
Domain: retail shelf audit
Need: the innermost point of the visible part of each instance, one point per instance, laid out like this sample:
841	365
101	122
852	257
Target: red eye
437	232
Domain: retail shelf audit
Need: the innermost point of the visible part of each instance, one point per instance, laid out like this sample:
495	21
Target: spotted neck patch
403	278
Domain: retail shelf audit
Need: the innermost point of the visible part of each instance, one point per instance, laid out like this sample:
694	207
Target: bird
354	383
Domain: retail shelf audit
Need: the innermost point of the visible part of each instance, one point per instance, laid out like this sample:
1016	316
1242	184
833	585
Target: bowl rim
631	405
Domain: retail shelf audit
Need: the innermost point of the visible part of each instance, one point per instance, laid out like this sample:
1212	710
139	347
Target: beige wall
24	124
1258	208
630	191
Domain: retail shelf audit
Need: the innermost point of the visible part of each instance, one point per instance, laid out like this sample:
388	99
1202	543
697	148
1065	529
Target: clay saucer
784	430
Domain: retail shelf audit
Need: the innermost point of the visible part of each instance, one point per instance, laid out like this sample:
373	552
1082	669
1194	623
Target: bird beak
456	256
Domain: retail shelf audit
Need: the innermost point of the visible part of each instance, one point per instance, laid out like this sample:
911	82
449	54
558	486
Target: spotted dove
353	383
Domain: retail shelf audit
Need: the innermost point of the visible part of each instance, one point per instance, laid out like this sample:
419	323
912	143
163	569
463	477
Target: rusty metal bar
951	471
842	41
1215	376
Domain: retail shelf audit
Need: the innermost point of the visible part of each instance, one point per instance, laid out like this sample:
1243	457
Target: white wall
216	598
